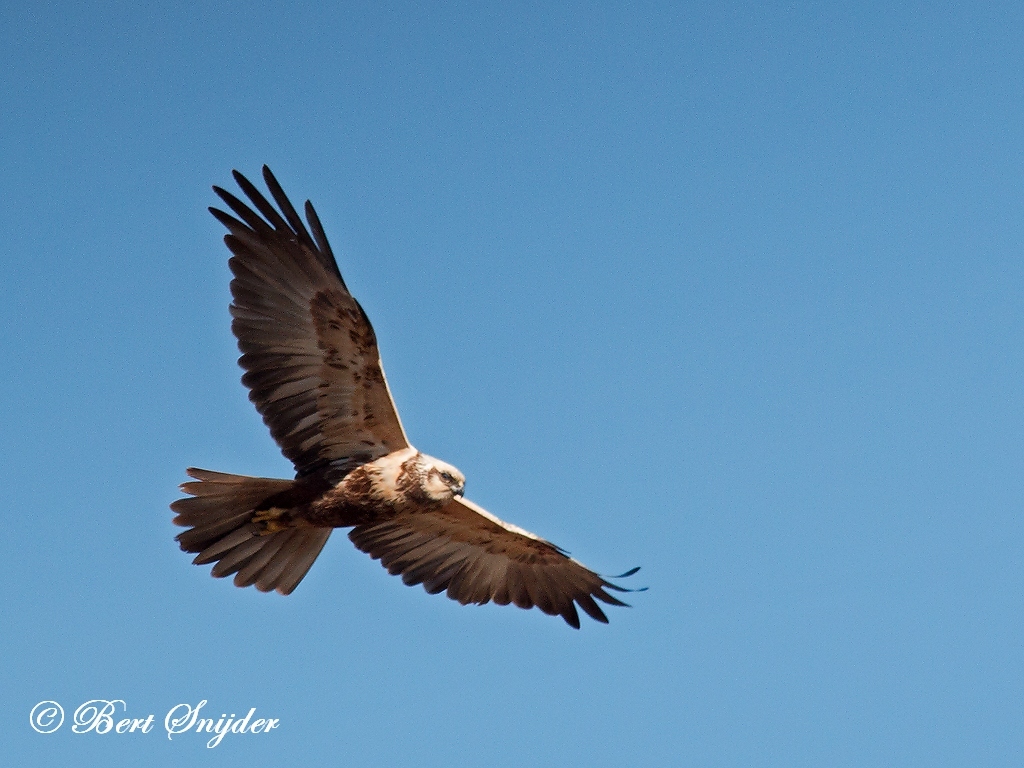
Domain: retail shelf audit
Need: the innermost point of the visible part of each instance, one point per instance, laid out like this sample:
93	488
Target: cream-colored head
438	480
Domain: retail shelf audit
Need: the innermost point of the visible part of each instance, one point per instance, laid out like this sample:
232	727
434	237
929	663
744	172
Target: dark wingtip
617	588
268	176
224	218
240	179
591	608
625	575
223	194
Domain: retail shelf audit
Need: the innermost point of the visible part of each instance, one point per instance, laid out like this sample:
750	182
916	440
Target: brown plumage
314	373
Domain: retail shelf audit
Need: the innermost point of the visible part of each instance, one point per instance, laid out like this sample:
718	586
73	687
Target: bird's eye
447	477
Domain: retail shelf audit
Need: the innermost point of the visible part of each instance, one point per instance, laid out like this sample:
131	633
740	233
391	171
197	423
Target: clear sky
732	292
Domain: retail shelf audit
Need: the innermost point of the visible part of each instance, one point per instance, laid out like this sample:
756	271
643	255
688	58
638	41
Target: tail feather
251	570
231	543
219	512
199	539
271	574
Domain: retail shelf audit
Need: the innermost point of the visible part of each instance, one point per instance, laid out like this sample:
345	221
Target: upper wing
476	557
309	352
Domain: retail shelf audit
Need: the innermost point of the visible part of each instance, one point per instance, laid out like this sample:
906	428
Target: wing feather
309	352
477	558
262	204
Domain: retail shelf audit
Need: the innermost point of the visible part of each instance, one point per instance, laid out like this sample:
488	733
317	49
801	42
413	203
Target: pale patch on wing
507	526
476	557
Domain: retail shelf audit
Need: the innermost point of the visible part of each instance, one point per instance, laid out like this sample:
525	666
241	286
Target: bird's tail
218	514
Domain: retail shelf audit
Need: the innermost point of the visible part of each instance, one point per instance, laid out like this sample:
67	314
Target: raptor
314	373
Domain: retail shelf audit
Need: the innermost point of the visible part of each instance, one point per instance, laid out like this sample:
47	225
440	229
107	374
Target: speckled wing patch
358	414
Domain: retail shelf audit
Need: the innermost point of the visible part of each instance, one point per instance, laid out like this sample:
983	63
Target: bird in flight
314	374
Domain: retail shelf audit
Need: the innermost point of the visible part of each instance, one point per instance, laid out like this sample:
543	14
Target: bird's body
314	373
400	482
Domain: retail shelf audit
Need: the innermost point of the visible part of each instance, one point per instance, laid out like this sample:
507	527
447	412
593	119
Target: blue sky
730	292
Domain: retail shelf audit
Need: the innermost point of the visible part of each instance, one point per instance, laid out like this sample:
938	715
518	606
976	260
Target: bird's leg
268	521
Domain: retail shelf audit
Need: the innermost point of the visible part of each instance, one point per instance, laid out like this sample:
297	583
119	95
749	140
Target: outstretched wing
308	349
462	548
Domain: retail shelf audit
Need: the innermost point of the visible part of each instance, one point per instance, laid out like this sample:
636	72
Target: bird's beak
460	490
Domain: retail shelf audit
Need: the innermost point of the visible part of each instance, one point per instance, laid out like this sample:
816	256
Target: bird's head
440	481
